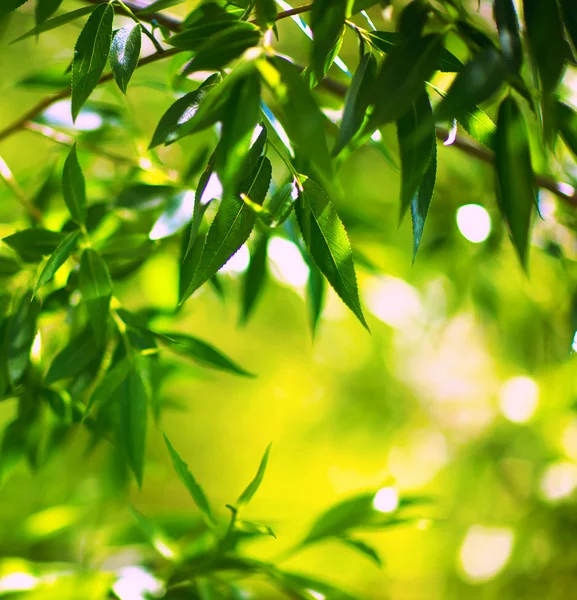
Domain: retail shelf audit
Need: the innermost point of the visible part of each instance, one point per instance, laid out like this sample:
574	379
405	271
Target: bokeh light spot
288	265
474	223
386	500
559	480
518	398
485	551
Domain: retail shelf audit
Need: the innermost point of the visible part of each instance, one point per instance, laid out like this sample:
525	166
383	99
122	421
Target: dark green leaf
108	385
45	9
516	192
316	290
546	40
124	54
133	401
253	486
167	130
413	19
357	101
57	259
90	55
33	244
57	22
327	24
202	353
10	5
96	288
281	204
266	12
73	358
254	278
21	334
570	19
567	119
479	79
159	5
364	549
232	225
422	200
190	483
74	187
329	244
360	5
8	266
508	26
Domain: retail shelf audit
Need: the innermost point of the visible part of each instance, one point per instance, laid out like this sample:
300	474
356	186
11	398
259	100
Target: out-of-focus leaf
9	266
479	126
253	486
508	26
159	5
360	5
20	336
33	244
202	353
266	12
422	200
567	119
363	548
479	79
516	192
190	483
401	77
74	187
316	291
254	278
45	9
124	54
133	400
570	19
300	587
413	19
144	197
328	243
76	355
176	215
327	24
57	259
10	5
282	203
108	385
253	528
357	101
96	288
167	130
90	55
546	40
57	22
232	225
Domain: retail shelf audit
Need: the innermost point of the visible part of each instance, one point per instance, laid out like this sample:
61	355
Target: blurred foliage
197	233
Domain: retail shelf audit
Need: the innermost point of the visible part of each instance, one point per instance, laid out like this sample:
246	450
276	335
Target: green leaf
96	288
254	278
159	5
421	202
567	119
9	6
45	9
33	244
73	358
90	55
281	204
316	291
266	12
20	336
167	130
508	25
56	22
413	19
327	24
133	400
190	483
357	101
74	187
223	47
57	259
108	385
417	138
124	54
202	353
401	77
479	126
570	19
516	192
8	266
254	528
300	587
546	40
232	225
363	548
328	243
479	80
253	486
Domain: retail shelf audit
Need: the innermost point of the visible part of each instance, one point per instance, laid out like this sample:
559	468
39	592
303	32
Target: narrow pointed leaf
57	22
478	81
329	244
74	187
73	358
479	126
422	200
363	548
316	291
516	192
254	278
508	26
413	19
190	483
57	259
33	244
570	19
567	119
253	528
45	9
10	5
90	55
22	329
124	54
266	11
108	385
96	289
202	353
253	486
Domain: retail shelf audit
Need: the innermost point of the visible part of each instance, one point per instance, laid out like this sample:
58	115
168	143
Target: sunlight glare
474	223
288	266
485	551
15	582
238	262
559	480
393	301
386	500
519	397
134	583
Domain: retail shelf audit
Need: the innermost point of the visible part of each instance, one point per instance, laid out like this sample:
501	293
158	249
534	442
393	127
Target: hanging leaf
253	486
190	483
56	22
45	9
570	20
421	202
124	54
516	192
254	277
108	385
33	244
57	259
479	80
508	25
74	187
9	6
266	12
328	243
363	548
316	291
96	288
90	55
567	119
357	101
327	24
202	353
20	336
167	130
232	225
73	358
413	19
133	404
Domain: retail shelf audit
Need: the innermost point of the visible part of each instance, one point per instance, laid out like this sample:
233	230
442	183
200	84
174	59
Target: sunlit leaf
57	259
253	528
124	54
253	486
266	11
